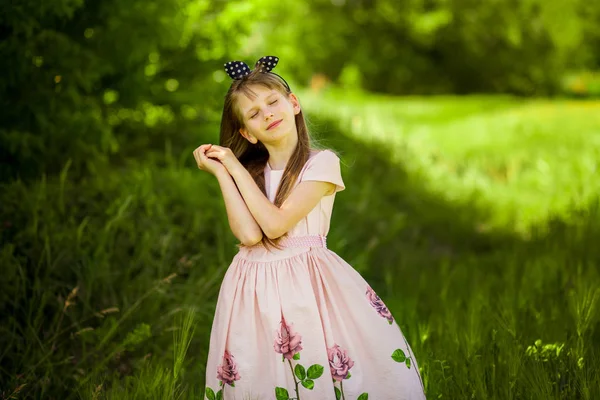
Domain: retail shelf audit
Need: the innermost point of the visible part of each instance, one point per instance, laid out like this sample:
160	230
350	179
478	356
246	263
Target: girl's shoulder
321	158
323	165
322	153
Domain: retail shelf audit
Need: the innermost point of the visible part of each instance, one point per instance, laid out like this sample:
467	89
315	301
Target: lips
274	124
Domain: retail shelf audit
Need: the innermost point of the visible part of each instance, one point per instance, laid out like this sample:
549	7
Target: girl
293	320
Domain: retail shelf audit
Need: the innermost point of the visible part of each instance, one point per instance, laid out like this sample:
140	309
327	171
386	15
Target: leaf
348	376
390	322
315	371
398	355
210	394
309	384
232	384
282	358
364	396
219	395
281	393
300	372
338	394
296	356
408	363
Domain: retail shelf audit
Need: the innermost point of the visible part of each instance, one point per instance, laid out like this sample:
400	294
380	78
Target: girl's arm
276	221
242	223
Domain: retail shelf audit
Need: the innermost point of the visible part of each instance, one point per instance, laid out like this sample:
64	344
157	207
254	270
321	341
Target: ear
244	132
295	103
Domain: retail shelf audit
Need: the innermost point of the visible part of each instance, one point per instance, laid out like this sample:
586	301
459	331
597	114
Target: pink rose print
378	305
339	362
287	342
228	372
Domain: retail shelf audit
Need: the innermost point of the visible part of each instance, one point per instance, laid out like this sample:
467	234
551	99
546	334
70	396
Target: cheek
253	126
285	108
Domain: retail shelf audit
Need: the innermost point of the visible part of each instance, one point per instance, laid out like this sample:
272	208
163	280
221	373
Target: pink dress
301	323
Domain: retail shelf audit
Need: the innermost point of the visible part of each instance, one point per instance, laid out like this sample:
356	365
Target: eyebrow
254	107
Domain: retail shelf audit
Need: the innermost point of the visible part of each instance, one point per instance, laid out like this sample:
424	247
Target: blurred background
472	128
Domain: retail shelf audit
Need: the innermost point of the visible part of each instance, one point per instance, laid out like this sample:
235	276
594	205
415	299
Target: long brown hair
254	157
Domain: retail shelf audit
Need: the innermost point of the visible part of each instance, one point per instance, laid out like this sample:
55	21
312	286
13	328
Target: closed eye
256	113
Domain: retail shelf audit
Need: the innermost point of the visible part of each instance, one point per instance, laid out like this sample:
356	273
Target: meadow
476	218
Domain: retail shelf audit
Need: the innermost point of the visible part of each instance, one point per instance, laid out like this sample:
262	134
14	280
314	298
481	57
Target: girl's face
268	116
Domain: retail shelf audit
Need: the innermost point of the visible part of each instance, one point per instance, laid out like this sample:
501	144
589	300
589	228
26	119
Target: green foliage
91	270
153	380
459	46
96	82
582	84
92	81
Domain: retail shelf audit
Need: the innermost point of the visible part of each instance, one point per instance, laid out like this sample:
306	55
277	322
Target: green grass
474	218
525	158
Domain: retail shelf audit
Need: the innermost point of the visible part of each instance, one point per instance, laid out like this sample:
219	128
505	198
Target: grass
527	159
487	256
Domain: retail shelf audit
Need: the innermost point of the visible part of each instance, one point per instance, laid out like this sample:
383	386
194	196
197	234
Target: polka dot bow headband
239	69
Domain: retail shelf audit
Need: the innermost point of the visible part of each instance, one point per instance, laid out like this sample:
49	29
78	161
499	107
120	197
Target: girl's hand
207	164
225	156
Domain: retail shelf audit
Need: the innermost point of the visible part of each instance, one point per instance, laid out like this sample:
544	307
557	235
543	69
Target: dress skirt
301	323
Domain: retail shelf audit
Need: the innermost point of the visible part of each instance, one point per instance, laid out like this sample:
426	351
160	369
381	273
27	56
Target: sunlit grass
525	158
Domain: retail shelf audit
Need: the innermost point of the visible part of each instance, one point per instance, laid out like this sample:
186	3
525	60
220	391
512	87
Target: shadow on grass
389	211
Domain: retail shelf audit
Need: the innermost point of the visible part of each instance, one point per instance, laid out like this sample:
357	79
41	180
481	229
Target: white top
275	179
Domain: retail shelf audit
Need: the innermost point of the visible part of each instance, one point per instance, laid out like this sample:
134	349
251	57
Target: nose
268	114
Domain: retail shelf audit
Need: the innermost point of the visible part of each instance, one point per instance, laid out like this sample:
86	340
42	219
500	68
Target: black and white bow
239	69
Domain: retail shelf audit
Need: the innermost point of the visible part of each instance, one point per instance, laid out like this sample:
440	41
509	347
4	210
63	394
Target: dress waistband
300	241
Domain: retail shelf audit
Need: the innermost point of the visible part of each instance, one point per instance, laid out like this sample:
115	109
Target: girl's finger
217	147
197	153
203	158
204	148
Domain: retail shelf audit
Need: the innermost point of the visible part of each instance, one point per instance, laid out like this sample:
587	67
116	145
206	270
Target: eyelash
255	114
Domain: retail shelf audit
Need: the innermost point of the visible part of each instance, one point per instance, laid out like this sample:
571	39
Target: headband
238	69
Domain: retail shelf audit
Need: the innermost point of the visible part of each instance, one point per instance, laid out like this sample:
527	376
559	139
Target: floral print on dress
288	343
339	365
339	362
227	374
399	356
378	305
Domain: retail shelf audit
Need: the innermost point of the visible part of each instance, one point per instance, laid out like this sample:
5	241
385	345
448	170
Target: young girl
293	319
